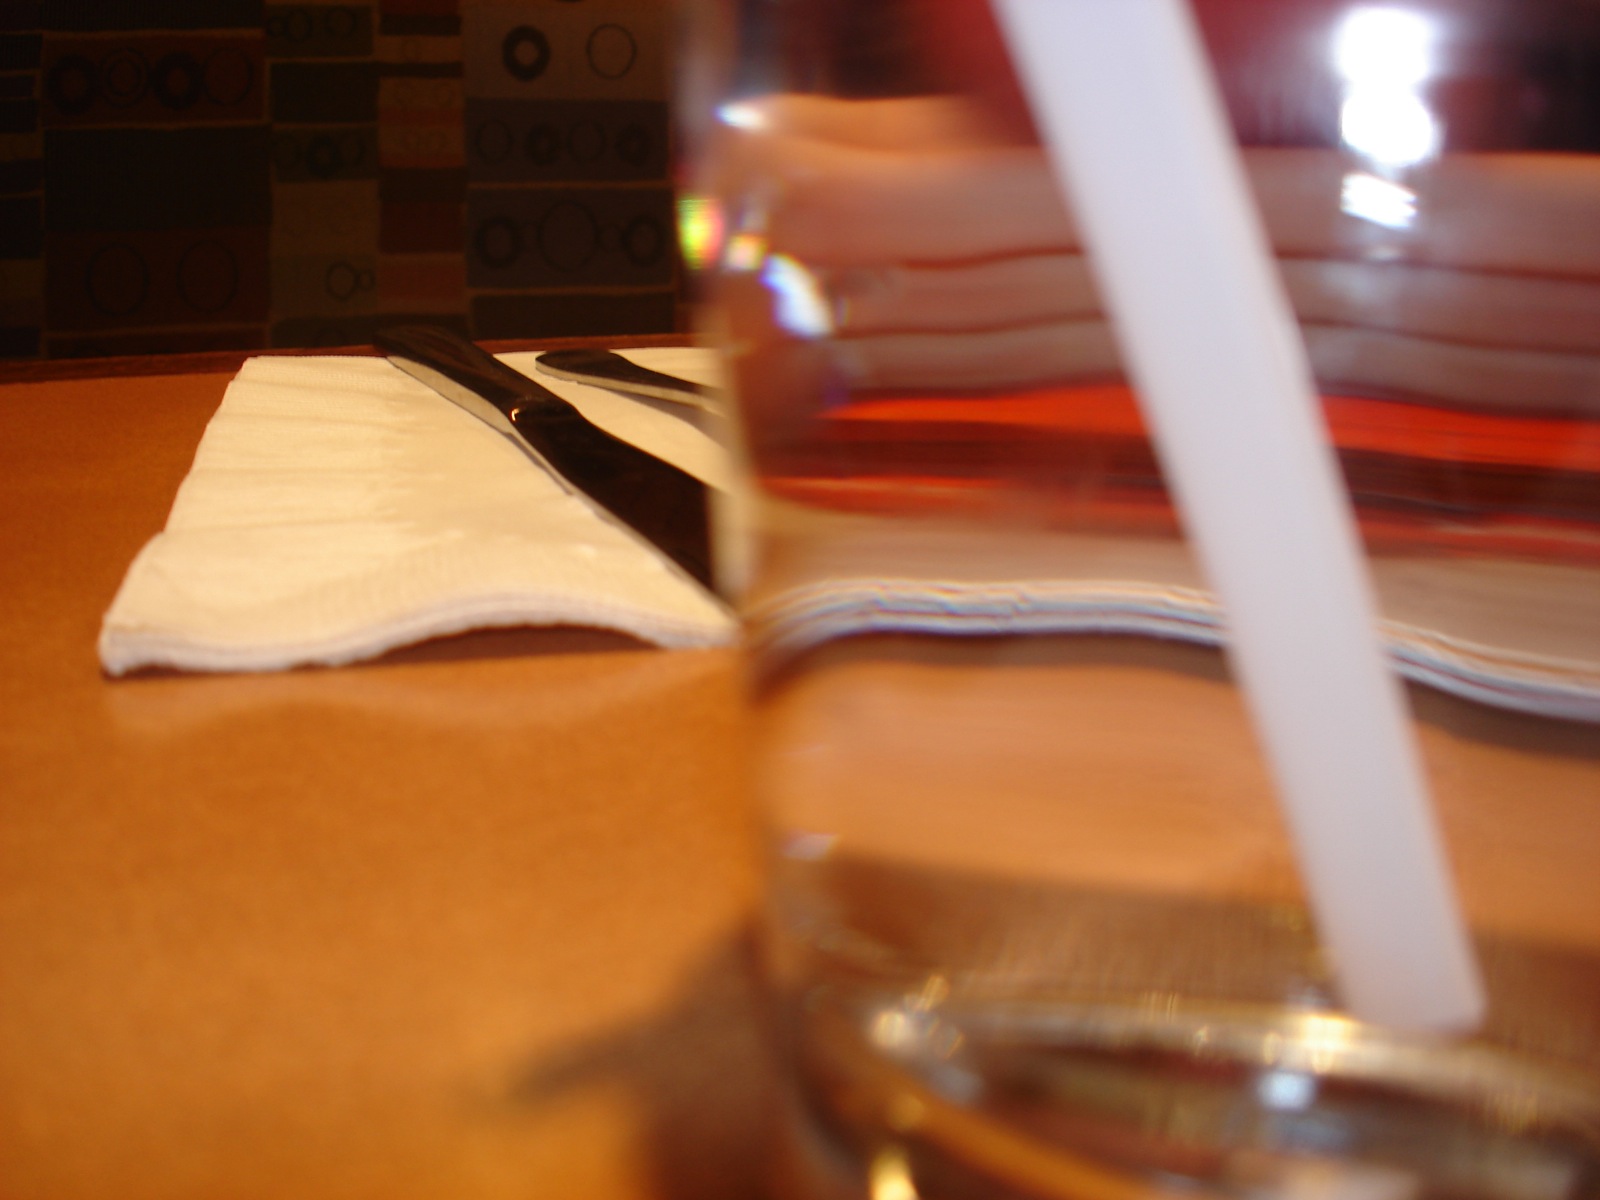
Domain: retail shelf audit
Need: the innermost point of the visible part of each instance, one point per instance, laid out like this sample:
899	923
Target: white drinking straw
1135	130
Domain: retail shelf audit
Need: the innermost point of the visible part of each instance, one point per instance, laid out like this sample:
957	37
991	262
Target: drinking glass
1034	924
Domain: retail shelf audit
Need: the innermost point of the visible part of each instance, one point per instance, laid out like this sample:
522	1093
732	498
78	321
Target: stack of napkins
1515	635
338	508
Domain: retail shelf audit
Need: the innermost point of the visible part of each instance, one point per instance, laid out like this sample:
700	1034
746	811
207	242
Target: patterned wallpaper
226	174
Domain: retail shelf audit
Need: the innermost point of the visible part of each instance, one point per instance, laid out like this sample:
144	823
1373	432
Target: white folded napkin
1515	635
338	508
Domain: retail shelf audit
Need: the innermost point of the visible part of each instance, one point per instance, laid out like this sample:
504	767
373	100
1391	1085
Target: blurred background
180	175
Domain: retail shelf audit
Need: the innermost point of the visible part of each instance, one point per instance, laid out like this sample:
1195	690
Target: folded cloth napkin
337	509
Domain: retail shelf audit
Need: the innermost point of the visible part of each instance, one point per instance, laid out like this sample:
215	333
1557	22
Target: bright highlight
1377	200
798	303
1384	46
700	230
1384	56
1390	126
742	116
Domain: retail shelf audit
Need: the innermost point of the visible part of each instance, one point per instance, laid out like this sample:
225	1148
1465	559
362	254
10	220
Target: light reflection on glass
700	229
746	252
1378	200
889	1176
741	116
798	303
1392	126
895	1030
1384	56
1384	47
1324	1040
1286	1091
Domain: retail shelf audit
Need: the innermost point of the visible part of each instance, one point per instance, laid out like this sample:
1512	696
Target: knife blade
603	368
665	506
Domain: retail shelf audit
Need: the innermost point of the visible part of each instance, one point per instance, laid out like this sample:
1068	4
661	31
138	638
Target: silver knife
664	505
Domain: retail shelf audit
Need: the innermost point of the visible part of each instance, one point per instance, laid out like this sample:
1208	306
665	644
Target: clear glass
1034	922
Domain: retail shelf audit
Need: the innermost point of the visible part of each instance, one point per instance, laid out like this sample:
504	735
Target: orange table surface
469	921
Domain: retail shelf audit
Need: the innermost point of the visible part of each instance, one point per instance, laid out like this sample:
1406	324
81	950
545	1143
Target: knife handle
605	368
456	358
666	505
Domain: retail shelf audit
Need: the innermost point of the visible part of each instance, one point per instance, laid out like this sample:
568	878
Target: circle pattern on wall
525	53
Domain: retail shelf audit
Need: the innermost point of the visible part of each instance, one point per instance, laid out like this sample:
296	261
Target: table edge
228	361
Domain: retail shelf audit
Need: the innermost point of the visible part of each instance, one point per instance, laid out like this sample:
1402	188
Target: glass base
903	1096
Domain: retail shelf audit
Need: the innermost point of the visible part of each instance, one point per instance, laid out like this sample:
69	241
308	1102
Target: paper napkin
338	508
